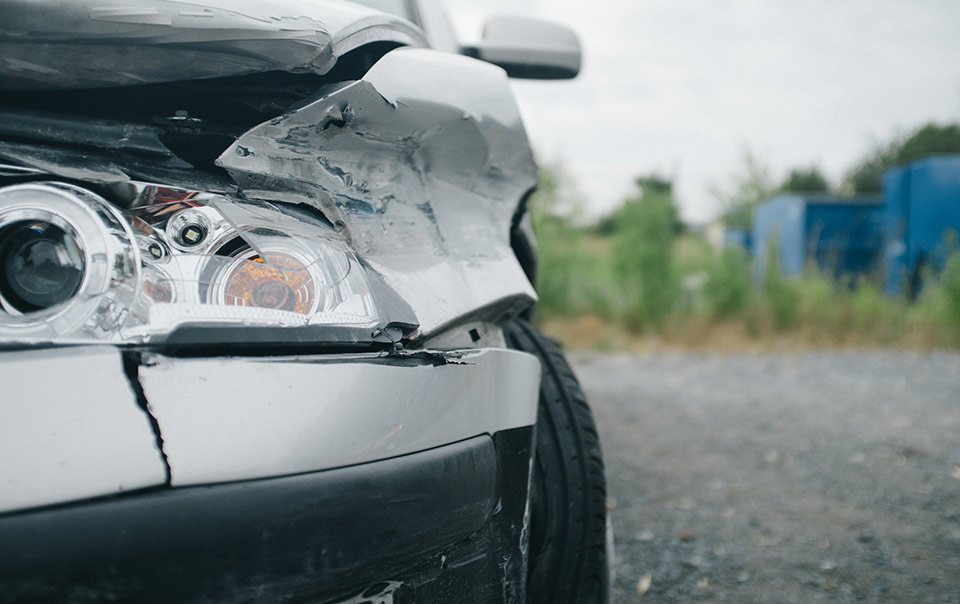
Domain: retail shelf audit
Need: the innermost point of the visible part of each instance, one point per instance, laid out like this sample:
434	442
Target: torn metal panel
58	44
228	419
70	428
97	150
118	137
469	335
423	162
106	168
81	155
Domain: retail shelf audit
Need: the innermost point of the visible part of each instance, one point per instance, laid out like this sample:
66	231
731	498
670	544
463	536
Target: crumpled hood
64	44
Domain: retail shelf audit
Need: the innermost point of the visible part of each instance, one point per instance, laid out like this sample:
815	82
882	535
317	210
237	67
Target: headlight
70	265
77	269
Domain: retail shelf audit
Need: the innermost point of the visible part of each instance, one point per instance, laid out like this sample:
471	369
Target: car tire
570	542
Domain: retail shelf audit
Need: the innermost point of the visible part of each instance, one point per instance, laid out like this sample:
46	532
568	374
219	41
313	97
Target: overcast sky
681	87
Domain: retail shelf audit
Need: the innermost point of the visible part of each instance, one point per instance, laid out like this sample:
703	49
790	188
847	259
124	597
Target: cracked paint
131	368
71	413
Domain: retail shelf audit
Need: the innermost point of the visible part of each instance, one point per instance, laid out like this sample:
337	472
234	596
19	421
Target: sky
683	87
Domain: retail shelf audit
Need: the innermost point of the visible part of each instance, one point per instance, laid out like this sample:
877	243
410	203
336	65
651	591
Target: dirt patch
703	334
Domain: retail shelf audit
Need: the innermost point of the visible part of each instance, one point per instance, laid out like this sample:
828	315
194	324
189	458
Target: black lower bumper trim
282	539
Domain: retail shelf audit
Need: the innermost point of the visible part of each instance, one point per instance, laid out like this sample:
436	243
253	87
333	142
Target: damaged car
265	275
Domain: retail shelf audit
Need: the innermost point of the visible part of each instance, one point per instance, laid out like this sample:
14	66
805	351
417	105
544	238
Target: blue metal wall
844	236
779	221
934	207
922	202
896	195
841	235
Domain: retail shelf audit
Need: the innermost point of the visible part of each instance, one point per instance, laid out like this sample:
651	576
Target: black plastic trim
295	538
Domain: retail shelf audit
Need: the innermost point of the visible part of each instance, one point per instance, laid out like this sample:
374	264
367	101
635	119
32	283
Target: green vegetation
805	180
637	275
642	253
867	175
754	181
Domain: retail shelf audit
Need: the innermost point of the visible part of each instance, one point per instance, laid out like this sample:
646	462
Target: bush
729	285
643	256
558	269
940	302
781	295
949	285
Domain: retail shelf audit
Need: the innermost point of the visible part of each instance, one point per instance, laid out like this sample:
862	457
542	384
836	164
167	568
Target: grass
593	297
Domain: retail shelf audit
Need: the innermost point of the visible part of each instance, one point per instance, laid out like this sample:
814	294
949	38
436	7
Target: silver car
265	270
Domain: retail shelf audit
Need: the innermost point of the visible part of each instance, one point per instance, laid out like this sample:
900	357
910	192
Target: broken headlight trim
77	269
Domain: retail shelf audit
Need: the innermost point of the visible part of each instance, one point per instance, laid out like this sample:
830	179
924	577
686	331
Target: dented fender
422	164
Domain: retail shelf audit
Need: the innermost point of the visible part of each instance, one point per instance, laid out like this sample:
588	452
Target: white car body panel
256	418
70	428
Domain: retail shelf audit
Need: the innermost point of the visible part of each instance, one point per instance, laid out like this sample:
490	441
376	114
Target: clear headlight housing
75	268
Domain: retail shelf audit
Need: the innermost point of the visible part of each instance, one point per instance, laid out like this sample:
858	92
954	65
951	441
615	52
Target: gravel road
814	477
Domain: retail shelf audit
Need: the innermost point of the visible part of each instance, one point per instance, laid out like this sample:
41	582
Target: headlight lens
75	268
42	265
275	280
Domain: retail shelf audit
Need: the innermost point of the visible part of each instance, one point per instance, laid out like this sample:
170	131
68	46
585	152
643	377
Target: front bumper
321	479
430	526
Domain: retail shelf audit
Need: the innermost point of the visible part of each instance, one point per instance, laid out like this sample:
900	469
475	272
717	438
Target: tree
748	187
651	184
805	180
867	175
931	138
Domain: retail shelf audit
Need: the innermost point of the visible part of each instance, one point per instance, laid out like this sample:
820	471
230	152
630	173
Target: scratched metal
423	163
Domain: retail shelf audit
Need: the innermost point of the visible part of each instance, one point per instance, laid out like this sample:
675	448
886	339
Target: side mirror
529	48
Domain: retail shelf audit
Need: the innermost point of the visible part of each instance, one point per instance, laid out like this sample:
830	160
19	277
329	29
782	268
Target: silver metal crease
422	163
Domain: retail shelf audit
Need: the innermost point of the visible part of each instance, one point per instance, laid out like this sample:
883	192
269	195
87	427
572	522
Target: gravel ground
815	477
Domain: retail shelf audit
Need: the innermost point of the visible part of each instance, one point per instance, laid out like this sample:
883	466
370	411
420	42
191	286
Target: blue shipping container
840	235
922	206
